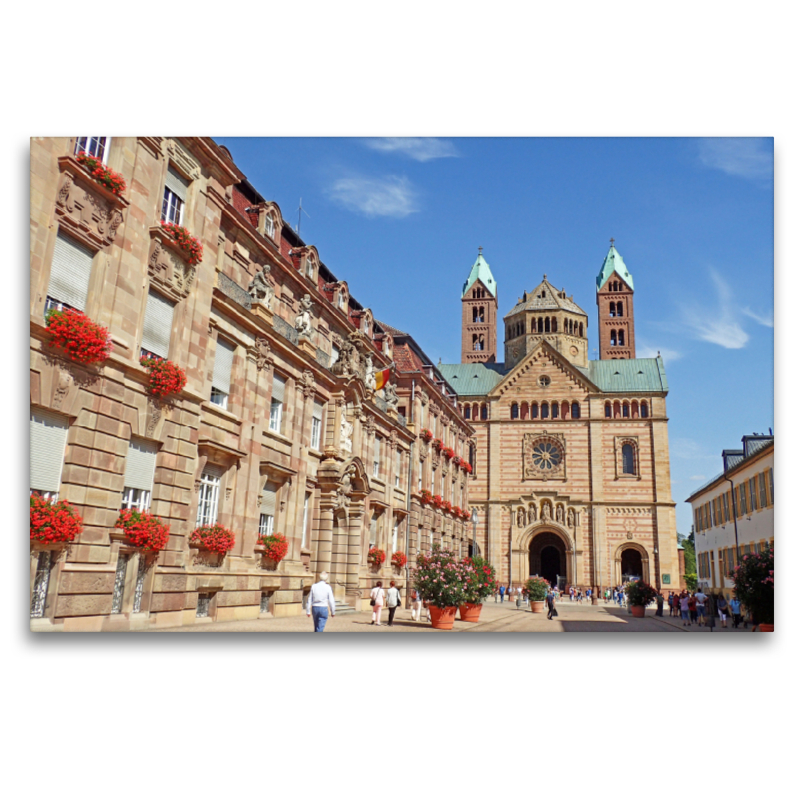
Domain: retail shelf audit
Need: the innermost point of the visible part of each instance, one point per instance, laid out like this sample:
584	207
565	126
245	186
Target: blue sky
401	221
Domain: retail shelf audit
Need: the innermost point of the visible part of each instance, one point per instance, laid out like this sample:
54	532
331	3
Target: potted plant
439	581
537	589
191	247
399	559
425	435
425	497
480	580
275	545
113	181
143	529
437	501
754	585
448	452
640	594
78	337
165	377
53	521
376	557
215	538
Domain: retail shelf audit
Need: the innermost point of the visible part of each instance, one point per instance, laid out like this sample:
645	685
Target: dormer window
175	188
309	267
269	226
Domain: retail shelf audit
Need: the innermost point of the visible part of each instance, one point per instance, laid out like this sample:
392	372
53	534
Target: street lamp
474	519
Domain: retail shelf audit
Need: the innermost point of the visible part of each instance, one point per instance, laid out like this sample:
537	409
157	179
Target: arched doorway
631	565
548	557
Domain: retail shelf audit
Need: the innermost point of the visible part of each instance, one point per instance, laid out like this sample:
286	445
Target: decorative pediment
183	160
167	268
86	210
526	374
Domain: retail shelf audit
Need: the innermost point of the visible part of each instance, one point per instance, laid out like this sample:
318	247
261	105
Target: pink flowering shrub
754	584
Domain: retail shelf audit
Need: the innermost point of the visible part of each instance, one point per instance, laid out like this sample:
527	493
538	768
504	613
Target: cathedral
571	472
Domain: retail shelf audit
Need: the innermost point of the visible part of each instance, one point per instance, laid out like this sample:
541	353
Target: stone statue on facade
559	513
531	513
302	322
369	374
260	289
520	517
345	365
345	489
346	435
390	395
546	511
571	518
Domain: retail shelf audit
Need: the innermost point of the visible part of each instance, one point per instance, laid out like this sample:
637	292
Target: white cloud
391	196
697	478
644	350
419	149
687	448
717	325
743	157
767	320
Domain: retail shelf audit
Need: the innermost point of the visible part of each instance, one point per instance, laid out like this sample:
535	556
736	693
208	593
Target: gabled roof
469	380
613	263
629	375
480	272
546	297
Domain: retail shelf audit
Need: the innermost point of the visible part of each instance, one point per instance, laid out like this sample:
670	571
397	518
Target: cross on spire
480	251
612	241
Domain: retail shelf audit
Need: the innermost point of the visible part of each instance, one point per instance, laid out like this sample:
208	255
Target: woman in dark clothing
551	605
711	611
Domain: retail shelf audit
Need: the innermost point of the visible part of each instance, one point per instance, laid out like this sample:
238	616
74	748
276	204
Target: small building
734	512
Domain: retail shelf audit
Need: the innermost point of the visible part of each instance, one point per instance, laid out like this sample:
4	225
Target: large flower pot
443	618
537	606
763	627
637	611
470	612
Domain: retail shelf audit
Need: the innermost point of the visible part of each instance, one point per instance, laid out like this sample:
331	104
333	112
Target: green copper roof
480	272
614	263
469	380
629	375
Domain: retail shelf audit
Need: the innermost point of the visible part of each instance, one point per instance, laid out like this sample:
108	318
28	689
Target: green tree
689	555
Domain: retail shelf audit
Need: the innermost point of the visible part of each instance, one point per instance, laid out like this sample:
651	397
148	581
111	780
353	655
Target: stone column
355	523
323	542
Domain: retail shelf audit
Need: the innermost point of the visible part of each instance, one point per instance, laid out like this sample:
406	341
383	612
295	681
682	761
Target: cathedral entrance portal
631	564
548	558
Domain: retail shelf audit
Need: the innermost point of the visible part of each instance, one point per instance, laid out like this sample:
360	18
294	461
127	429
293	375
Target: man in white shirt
700	599
320	599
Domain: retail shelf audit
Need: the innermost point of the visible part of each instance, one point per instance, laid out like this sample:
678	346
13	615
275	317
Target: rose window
546	455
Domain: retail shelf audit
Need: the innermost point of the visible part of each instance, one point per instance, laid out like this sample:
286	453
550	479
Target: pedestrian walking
692	609
502	593
377	597
320	600
736	611
684	604
392	601
416	605
571	593
660	605
722	610
671	603
710	611
496	592
579	595
700	599
551	605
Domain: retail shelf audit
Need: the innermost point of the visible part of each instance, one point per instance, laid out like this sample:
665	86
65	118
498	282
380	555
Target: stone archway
631	562
550	556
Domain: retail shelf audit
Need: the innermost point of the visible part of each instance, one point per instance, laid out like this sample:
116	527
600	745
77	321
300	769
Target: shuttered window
175	187
316	425
140	466
208	499
276	404
48	434
157	325
69	274
376	457
268	502
223	364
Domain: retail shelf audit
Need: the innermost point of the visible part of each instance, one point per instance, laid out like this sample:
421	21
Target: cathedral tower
479	315
615	308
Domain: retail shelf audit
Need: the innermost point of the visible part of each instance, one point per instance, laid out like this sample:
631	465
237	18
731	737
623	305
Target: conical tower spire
479	314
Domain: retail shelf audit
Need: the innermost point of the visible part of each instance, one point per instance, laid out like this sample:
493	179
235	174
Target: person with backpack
551	605
392	601
416	605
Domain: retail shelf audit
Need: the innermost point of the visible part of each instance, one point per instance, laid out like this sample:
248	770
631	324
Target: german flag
382	377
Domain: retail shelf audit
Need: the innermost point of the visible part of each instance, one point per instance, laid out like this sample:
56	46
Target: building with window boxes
276	430
571	471
734	513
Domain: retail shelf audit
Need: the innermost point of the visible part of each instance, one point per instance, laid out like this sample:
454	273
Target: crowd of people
699	608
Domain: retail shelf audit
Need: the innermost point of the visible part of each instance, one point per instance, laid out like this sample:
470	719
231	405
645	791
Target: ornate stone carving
308	383
390	396
263	353
346	435
345	490
531	513
180	156
369	425
260	288
168	270
153	417
369	373
543	456
302	322
571	518
62	388
423	397
559	513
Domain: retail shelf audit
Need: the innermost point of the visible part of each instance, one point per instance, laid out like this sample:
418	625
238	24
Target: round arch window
544	381
546	455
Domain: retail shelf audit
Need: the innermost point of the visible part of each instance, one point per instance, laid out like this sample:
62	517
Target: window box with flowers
53	522
101	174
189	245
77	337
425	435
376	557
214	538
425	497
456	511
437	501
447	505
448	452
456	461
143	529
399	559
166	378
437	443
466	514
273	547
467	467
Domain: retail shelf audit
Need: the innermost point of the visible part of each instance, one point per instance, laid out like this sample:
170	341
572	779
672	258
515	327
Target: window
554	411
514	411
395	534
175	187
140	466
762	490
157	326
376	457
398	462
203	604
334	354
626	410
209	495
644	410
69	275
771	489
612	310
433	480
628	466
576	410
621	338
309	267
613	338
373	530
306	503
276	404
269	226
119	583
96	146
266	521
534	410
752	484
44	565
221	381
48	440
485	413
713	514
316	425
467	411
341	300
545	411
742	503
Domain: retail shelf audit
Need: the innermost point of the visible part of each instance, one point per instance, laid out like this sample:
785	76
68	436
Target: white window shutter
48	434
176	183
157	324
223	364
140	465
70	272
377	449
278	388
268	500
317	412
